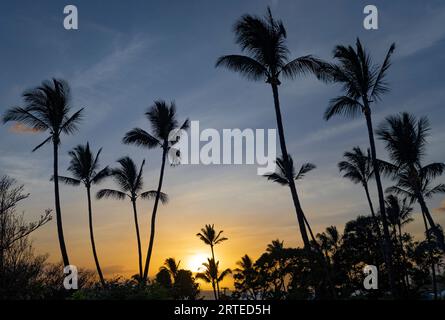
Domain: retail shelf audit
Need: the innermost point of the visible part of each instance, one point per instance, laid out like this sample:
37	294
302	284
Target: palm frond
67	180
140	137
306	65
246	66
109	193
69	126
343	105
24	116
380	86
42	144
101	175
440	188
150	195
305	168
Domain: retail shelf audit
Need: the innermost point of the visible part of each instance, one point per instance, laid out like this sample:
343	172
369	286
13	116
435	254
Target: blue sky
127	54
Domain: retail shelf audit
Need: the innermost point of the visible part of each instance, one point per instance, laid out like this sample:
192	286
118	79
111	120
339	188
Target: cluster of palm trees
265	57
211	273
47	109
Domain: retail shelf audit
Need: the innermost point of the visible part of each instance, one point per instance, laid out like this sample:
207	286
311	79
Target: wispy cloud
21	128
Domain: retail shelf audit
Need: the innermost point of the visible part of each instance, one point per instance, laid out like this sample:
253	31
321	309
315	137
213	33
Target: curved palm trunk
433	269
297	205
93	245
426	212
65	259
138	237
153	216
386	237
216	280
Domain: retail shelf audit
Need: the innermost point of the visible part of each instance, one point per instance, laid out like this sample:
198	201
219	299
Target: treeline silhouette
328	266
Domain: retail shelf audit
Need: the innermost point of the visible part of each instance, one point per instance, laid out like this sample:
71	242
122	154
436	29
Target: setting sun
194	262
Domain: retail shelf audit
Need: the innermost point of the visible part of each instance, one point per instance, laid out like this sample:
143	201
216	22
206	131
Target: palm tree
212	275
363	83
246	277
171	266
84	167
285	174
405	138
209	236
264	42
359	169
399	214
162	118
130	182
329	241
47	108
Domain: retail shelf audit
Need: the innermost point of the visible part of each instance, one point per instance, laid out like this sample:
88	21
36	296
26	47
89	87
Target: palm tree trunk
405	278
433	269
214	289
297	205
153	216
374	218
386	237
65	259
325	264
216	280
93	245
426	212
138	237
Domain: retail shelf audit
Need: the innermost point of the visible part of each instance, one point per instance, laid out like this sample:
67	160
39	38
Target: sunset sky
125	56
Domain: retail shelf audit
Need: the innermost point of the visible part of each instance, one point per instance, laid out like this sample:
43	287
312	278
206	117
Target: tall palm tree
358	168
210	237
162	118
286	174
84	167
130	182
406	139
263	40
363	83
212	275
47	109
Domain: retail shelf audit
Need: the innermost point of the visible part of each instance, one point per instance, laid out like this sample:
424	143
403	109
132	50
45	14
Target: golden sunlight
194	262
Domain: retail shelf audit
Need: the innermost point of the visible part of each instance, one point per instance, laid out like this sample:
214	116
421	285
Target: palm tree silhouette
162	118
264	42
284	175
363	83
130	182
171	267
212	275
405	138
47	108
329	241
399	214
209	236
359	169
84	167
246	277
